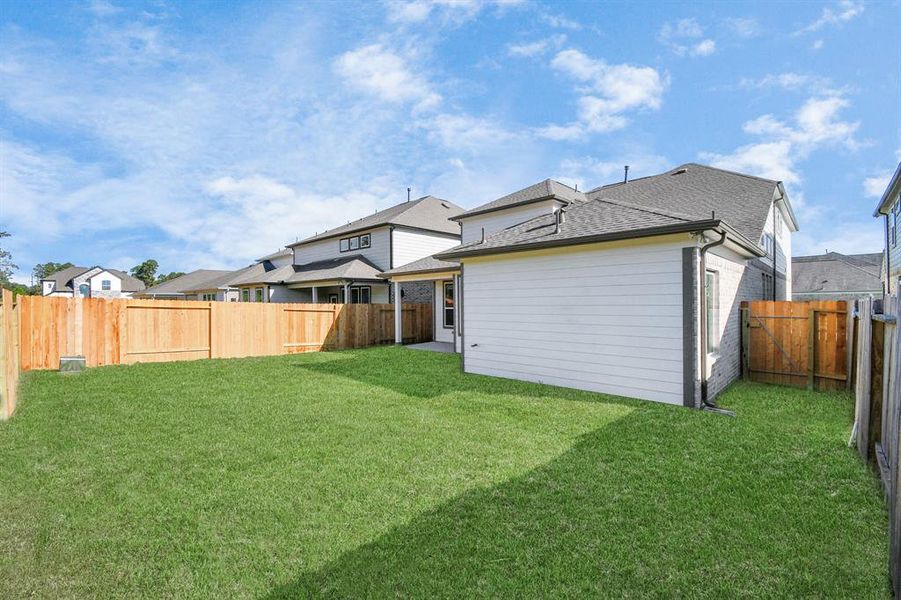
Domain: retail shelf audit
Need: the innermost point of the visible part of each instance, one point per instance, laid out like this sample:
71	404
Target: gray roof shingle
63	279
428	212
838	273
343	268
583	222
428	264
543	190
189	281
743	201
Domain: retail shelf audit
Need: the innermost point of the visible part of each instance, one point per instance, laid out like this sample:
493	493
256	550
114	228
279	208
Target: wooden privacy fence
877	409
9	354
109	332
801	344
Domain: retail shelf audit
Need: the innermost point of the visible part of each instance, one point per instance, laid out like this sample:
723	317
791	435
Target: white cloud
703	48
607	91
385	74
795	82
817	45
561	22
536	48
102	8
743	27
449	11
682	37
590	172
842	12
876	185
850	238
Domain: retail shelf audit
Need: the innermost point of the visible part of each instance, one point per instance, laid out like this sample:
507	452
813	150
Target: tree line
147	272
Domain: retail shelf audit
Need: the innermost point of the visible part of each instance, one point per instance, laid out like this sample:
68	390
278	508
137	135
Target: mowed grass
386	472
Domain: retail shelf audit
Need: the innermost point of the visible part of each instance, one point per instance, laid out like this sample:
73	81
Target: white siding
782	236
502	219
97	284
413	245
48	287
378	253
280	293
606	319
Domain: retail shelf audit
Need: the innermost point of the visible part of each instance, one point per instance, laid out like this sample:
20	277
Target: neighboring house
91	282
344	264
889	208
630	289
202	284
262	281
834	276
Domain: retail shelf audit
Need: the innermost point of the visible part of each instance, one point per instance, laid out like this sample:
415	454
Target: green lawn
386	472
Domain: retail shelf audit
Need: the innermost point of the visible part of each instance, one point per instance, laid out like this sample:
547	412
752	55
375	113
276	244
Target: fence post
812	349
745	341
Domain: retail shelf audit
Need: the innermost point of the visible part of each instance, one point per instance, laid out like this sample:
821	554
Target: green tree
164	278
7	267
146	271
45	270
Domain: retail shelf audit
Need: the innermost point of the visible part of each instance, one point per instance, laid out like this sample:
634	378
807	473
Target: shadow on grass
657	503
419	377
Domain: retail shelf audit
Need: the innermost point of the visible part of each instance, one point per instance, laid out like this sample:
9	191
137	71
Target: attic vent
679	171
444	204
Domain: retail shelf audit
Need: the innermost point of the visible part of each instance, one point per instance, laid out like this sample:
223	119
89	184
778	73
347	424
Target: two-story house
343	264
889	209
631	289
91	282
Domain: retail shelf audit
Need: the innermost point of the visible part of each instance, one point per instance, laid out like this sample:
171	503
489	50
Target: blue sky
205	134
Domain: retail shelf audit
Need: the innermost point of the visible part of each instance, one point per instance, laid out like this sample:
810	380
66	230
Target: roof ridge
657	211
694	164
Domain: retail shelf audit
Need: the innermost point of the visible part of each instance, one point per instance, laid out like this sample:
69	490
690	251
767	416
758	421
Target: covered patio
445	277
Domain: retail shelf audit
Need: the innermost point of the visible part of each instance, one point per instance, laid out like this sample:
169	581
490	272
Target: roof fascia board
476	212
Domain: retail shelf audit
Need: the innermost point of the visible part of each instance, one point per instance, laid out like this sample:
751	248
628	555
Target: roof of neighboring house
543	190
261	273
595	221
429	264
220	282
189	281
702	192
891	193
345	268
835	272
427	213
63	279
283	253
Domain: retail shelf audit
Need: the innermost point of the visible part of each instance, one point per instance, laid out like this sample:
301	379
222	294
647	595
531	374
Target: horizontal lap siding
601	320
502	219
409	246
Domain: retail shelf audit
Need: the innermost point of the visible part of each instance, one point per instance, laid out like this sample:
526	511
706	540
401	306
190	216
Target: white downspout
398	324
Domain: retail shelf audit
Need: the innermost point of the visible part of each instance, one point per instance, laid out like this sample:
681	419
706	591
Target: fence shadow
658	502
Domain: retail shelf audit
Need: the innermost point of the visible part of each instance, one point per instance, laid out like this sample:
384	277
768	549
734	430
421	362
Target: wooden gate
800	344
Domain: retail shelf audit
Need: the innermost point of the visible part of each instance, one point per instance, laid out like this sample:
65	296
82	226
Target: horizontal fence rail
110	332
800	344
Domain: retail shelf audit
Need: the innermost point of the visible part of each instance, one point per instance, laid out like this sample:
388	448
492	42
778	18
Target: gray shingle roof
839	273
63	279
343	268
543	190
584	222
743	201
428	213
189	281
283	253
429	264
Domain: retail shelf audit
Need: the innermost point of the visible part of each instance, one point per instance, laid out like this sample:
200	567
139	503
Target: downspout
705	404
775	253
887	288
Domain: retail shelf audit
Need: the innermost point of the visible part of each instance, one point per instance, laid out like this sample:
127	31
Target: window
767	290
333	298
767	242
258	294
448	305
893	219
208	297
245	295
355	243
711	291
106	285
360	295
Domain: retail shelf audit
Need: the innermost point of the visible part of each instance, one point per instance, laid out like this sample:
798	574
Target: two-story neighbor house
889	209
91	282
630	289
342	265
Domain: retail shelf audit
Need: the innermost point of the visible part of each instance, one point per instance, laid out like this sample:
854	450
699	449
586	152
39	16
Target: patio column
398	325
347	293
315	295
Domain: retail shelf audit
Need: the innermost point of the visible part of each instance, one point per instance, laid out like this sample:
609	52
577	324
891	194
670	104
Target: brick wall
414	292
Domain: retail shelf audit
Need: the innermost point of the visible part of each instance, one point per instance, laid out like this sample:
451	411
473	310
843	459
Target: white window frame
259	294
445	308
106	285
357	291
245	294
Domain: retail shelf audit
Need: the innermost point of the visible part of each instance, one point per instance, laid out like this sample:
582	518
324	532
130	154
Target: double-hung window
258	294
106	285
711	292
245	295
360	295
448	307
356	242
